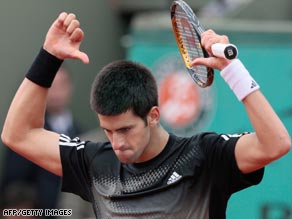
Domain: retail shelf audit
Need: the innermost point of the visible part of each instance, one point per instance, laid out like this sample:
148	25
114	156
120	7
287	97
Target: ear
153	116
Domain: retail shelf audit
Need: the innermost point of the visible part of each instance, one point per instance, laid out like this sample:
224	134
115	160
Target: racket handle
228	51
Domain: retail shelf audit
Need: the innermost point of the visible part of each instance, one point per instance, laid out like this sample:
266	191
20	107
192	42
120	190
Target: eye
124	130
107	131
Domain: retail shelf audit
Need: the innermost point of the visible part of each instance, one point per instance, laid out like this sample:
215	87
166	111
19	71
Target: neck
158	141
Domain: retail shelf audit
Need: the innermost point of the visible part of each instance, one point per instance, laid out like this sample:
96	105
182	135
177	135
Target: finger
72	26
68	19
83	57
77	35
209	38
211	62
201	61
62	16
206	36
77	54
60	20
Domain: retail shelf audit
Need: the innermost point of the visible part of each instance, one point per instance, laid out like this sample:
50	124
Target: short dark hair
121	86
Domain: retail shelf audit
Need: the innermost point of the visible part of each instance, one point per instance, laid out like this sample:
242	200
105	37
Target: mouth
122	149
124	155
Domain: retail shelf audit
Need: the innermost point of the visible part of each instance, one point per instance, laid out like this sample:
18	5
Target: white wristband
239	79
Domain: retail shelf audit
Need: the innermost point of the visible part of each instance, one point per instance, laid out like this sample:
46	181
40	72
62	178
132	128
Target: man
143	171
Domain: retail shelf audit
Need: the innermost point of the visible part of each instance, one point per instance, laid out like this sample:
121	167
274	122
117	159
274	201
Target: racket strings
190	45
191	41
187	31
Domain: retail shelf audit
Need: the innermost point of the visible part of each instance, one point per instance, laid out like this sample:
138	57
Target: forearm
269	129
270	139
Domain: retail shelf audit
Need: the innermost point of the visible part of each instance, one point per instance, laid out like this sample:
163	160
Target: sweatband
44	69
239	79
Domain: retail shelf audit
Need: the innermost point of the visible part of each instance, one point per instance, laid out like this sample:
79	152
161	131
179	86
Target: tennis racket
187	31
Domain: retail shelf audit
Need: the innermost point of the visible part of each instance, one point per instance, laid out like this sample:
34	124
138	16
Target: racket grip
228	51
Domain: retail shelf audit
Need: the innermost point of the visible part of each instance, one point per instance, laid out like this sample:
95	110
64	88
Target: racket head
187	31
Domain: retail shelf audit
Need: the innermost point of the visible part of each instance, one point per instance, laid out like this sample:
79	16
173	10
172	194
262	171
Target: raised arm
23	129
270	140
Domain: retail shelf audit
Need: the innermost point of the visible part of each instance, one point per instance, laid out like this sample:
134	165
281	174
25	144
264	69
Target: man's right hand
64	38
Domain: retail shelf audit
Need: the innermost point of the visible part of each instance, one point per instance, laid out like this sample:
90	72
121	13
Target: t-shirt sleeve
220	157
75	158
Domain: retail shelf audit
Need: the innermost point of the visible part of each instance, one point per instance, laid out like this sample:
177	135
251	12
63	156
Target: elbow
283	146
276	149
8	138
5	137
287	145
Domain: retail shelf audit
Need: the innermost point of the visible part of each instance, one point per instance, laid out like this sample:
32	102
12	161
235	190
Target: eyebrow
119	129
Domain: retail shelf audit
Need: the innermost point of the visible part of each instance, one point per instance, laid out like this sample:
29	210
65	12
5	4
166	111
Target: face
129	135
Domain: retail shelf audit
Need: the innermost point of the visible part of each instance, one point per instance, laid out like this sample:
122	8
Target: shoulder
207	143
66	141
213	138
75	147
196	141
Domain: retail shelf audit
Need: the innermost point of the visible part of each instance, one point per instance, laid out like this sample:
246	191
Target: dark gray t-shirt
191	178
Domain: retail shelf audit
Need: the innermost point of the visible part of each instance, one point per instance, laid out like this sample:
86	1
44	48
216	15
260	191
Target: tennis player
142	171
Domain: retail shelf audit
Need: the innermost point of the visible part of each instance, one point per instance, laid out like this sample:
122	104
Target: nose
117	141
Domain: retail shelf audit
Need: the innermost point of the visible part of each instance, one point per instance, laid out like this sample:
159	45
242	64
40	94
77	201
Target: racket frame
198	30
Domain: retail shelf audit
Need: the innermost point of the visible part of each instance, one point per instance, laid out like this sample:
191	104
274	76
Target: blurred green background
140	30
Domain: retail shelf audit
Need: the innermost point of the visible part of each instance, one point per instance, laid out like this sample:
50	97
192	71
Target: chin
126	157
126	161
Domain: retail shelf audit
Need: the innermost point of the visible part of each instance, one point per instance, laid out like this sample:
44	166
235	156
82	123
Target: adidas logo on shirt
173	178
